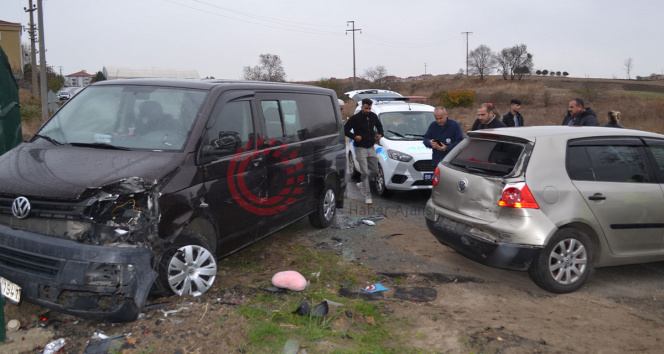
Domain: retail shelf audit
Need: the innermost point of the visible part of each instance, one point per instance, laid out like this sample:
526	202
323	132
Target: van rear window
487	156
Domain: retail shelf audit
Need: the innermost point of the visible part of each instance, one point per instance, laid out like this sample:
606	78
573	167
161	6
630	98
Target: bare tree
268	69
376	75
481	61
515	62
628	67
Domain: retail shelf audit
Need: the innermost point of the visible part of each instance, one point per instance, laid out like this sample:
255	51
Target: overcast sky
587	38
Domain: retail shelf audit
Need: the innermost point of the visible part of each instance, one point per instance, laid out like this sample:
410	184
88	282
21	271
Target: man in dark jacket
513	118
364	129
486	118
442	135
579	115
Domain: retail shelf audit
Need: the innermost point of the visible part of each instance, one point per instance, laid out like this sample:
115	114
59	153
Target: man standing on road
486	118
513	118
442	135
366	131
579	115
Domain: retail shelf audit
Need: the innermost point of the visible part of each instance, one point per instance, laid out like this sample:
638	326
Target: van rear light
517	195
436	176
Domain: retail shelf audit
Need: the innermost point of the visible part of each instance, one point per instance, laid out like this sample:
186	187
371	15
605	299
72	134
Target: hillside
545	99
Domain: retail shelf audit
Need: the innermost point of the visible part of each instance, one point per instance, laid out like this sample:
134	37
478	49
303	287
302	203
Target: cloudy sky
587	38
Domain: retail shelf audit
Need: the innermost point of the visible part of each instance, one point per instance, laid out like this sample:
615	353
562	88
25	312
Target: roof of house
9	23
81	73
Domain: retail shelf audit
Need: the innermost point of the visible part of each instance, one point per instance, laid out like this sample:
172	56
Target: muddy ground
475	309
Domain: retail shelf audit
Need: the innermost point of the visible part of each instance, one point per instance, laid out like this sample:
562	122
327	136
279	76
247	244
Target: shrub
458	98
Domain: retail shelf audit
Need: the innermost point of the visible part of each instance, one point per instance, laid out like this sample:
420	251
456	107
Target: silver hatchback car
556	201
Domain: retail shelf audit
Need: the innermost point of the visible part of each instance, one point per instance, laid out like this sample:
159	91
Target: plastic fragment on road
317	311
54	346
170	312
368	222
290	280
292	346
374	288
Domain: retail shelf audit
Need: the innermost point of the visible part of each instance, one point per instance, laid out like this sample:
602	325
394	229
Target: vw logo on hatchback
21	207
463	184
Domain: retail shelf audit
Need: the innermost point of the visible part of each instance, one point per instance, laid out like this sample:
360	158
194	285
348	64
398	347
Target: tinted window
607	163
320	116
233	127
488	156
658	154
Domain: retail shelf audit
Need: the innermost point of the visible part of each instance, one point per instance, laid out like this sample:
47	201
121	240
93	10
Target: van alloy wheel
191	270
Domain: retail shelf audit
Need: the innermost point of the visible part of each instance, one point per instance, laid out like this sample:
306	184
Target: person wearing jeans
364	129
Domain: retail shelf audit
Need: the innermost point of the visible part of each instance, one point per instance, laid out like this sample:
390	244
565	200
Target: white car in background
404	163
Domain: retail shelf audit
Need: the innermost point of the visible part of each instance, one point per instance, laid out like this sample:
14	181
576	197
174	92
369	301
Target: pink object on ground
289	279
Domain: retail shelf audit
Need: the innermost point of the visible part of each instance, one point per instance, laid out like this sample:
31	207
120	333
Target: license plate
10	290
428	176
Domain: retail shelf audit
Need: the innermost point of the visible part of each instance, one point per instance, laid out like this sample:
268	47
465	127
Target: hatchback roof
553	131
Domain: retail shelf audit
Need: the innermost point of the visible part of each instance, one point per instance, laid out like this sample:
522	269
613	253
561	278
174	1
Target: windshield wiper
395	133
100	146
48	138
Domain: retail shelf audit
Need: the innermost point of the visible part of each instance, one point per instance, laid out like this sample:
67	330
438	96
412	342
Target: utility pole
42	61
33	50
353	30
466	33
425	68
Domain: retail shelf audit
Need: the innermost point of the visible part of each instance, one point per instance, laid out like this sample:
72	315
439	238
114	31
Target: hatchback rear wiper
48	138
100	146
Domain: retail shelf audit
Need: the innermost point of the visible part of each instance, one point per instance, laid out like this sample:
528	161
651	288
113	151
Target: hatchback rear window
487	156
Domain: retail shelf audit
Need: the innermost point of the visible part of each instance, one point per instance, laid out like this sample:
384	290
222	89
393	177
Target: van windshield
406	125
126	117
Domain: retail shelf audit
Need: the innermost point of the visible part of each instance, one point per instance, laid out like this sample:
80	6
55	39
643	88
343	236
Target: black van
138	186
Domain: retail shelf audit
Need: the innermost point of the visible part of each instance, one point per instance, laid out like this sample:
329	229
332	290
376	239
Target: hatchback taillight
436	176
517	195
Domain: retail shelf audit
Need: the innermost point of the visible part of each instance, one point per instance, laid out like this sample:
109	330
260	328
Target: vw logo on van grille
21	207
463	184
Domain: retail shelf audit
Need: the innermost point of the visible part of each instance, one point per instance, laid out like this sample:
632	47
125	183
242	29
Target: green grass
358	326
647	94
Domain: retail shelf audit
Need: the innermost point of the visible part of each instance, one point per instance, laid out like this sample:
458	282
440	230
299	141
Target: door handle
256	161
597	197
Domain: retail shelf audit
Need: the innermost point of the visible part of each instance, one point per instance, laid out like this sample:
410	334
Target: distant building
10	41
79	79
115	72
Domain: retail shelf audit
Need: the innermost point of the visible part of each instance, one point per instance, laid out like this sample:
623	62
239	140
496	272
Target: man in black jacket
513	118
486	118
579	115
364	129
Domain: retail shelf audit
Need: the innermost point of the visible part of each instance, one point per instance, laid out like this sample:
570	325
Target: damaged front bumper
101	282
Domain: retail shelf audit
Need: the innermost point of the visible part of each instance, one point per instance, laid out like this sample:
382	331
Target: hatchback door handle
597	197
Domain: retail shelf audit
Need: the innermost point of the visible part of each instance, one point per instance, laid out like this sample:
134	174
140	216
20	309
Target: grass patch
269	319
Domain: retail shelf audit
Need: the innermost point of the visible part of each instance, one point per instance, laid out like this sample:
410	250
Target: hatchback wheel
563	266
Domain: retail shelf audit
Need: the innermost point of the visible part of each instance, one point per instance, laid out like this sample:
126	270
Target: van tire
326	208
352	170
570	253
171	267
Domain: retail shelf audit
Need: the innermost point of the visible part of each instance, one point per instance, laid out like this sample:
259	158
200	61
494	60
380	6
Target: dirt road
474	308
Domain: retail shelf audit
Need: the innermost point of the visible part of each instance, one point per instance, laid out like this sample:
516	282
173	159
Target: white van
404	163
